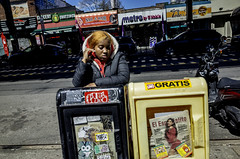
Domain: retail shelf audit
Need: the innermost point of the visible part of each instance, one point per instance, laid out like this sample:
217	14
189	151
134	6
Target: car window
183	36
30	49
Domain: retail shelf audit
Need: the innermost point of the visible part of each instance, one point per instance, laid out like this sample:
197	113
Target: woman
171	136
101	64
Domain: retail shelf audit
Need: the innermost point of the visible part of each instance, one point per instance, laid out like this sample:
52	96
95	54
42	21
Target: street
29	122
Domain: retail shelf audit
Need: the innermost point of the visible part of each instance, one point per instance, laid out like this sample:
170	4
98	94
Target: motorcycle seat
228	83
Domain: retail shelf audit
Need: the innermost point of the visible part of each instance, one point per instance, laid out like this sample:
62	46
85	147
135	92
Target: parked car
127	45
38	54
189	41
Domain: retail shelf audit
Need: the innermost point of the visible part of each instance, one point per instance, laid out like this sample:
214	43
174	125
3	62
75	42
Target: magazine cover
95	137
171	135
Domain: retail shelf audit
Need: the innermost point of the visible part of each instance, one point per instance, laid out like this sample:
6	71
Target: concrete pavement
29	122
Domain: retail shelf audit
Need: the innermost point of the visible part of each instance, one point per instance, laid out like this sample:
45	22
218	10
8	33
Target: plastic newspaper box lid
149	100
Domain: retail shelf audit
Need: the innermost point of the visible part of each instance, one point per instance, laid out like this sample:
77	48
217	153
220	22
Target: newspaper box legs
170	119
93	123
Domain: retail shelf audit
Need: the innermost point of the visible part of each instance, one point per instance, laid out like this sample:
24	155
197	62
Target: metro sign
96	97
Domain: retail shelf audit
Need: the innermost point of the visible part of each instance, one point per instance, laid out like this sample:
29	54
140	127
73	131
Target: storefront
106	20
176	17
24	26
143	25
58	28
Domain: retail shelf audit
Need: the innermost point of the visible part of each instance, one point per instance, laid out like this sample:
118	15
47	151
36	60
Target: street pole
189	14
10	23
42	24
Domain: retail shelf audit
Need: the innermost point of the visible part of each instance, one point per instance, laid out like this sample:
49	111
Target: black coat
116	72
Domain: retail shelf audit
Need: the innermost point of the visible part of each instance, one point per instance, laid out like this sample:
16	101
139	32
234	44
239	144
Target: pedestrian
101	64
171	136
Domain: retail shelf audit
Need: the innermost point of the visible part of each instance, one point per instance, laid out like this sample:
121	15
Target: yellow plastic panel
144	102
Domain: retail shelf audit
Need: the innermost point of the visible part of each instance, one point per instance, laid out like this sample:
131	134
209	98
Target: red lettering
154	124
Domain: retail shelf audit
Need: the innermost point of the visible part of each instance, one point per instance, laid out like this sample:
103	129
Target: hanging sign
141	17
97	19
4	42
199	11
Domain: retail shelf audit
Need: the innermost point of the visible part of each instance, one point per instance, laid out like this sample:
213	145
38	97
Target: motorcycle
224	94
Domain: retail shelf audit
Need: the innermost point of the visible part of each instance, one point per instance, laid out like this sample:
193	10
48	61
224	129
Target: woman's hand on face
91	85
87	55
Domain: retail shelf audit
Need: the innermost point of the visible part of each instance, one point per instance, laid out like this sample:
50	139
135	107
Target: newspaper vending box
170	119
93	123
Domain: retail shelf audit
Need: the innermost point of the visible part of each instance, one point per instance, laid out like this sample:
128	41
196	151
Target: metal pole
42	24
189	14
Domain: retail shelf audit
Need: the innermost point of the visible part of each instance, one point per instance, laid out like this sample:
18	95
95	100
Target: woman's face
169	123
103	50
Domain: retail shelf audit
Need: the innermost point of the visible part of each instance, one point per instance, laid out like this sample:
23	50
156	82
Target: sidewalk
29	122
218	150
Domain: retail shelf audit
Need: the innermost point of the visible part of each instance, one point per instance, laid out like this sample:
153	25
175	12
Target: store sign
185	83
141	17
57	17
179	13
97	19
20	24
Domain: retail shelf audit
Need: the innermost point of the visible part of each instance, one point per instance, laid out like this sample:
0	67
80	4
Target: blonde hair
97	37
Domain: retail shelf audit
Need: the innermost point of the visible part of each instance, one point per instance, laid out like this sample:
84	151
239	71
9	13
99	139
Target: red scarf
101	64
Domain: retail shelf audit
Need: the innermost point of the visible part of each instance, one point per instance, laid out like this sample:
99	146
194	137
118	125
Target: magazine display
171	135
95	137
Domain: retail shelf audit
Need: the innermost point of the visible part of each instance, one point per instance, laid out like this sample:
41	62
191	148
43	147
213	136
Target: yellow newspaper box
170	119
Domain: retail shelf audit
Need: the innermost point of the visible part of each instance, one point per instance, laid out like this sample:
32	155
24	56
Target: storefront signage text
56	17
20	24
97	19
179	13
141	17
185	83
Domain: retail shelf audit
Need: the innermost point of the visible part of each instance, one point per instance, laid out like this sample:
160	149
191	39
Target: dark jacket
116	70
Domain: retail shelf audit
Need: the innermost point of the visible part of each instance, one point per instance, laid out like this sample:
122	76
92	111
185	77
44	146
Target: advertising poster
20	10
179	13
97	19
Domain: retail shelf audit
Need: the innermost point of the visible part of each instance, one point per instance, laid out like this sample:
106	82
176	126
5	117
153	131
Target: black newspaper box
93	122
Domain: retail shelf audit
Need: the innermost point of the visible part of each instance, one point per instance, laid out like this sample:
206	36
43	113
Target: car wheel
209	47
169	51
